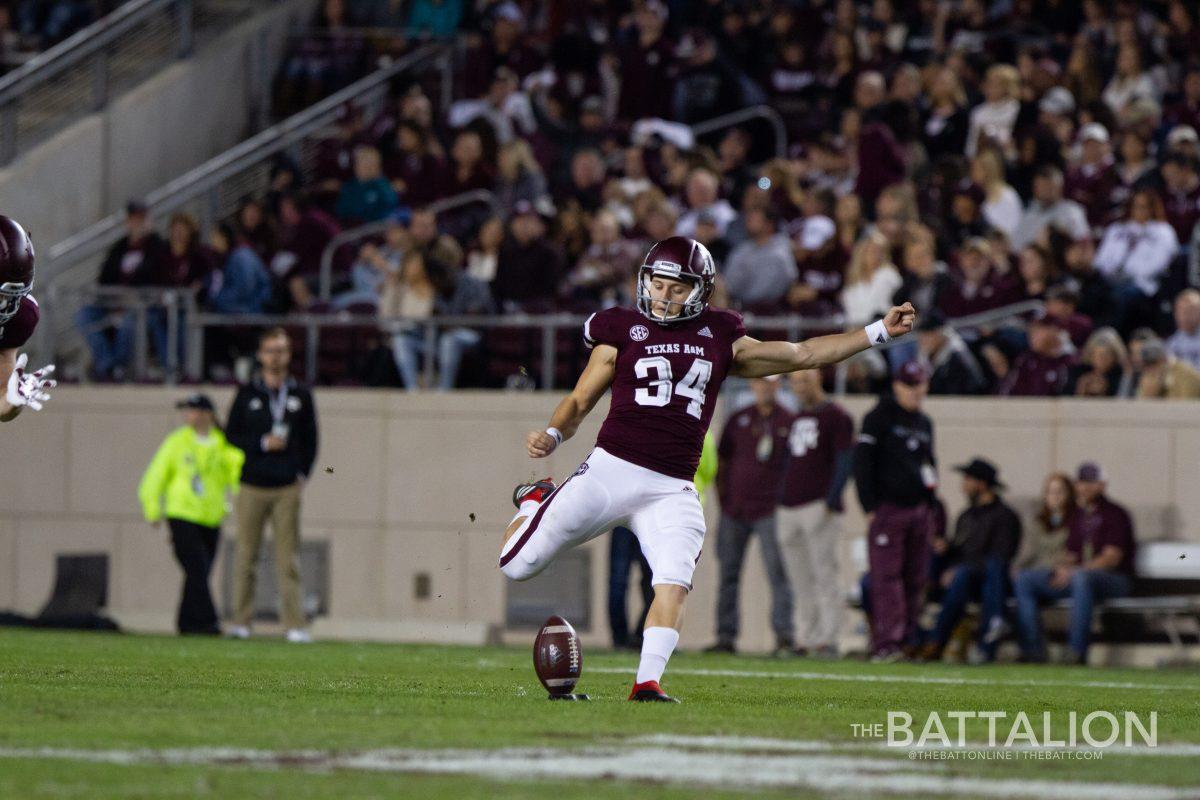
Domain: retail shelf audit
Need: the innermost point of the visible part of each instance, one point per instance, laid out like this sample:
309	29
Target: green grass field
109	716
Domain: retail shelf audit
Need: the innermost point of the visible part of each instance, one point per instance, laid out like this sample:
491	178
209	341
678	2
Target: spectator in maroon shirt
504	48
1062	302
1096	565
880	156
750	459
808	517
411	165
304	232
978	286
1187	110
1181	194
528	269
467	170
1093	181
645	62
1041	371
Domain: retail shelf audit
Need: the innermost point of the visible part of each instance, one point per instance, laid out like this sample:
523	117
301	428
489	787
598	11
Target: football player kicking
665	363
18	318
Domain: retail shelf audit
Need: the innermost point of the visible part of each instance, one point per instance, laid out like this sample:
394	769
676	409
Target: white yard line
761	744
873	678
738	770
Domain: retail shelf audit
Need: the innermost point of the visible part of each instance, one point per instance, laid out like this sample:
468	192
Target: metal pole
431	338
171	357
8	132
184	13
312	342
549	329
839	379
139	339
195	346
100	79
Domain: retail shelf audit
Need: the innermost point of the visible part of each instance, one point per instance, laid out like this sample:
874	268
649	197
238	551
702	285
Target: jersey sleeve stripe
587	332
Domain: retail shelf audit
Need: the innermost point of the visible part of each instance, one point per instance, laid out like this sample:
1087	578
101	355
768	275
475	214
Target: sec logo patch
639	333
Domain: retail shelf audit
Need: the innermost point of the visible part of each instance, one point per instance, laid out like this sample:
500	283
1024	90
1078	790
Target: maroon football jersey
17	330
664	390
817	436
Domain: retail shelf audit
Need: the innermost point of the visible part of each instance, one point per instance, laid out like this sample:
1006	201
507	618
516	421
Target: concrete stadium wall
189	112
409	469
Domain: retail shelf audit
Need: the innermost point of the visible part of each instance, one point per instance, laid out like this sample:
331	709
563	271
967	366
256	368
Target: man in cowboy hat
975	560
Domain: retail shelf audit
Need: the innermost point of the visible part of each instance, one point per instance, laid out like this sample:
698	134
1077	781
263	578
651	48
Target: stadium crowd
964	156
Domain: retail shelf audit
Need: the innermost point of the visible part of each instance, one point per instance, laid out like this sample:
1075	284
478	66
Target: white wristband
555	434
877	333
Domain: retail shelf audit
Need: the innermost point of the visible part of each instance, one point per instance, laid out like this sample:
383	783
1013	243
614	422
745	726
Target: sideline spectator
751	454
274	422
1097	564
895	471
974	562
808	516
186	483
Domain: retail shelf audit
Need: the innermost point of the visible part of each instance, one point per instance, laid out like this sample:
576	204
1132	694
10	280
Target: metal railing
745	115
211	191
79	75
183	314
375	228
114	303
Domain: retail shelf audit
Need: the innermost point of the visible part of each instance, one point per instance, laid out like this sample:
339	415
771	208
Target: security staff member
192	471
274	421
896	475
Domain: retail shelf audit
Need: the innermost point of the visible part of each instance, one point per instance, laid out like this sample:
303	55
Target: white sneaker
238	632
299	636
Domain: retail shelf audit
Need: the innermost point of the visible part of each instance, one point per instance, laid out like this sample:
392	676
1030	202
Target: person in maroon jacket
808	517
1042	370
1096	565
978	286
1181	194
1092	182
750	459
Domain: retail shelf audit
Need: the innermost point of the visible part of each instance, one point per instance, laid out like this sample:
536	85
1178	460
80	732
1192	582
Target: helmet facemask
690	308
10	299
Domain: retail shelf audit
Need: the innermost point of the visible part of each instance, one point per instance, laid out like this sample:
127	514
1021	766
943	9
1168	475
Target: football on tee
558	659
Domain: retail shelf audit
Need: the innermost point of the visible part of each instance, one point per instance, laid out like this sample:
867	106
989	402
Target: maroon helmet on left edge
682	259
16	267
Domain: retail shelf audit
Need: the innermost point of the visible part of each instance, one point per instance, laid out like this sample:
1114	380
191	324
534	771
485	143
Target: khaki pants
808	536
254	506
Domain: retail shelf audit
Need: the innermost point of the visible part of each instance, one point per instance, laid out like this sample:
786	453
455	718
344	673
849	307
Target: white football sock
657	646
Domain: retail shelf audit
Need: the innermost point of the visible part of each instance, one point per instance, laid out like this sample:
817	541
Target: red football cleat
650	692
536	491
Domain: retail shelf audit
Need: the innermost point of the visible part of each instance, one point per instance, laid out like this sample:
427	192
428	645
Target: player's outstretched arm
755	359
592	384
22	388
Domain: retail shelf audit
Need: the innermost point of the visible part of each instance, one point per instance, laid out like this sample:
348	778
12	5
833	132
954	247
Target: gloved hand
29	388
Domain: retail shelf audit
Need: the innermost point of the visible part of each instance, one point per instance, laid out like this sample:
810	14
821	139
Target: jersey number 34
661	387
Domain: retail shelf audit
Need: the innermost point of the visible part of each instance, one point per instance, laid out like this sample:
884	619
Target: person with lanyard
192	471
273	419
750	460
